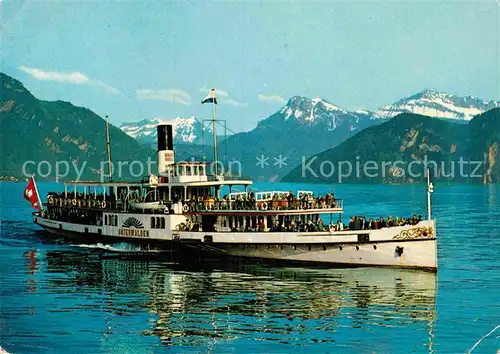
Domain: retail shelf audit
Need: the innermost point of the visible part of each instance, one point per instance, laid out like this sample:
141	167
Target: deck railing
216	205
199	206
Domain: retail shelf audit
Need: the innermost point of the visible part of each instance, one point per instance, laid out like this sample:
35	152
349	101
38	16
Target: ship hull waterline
415	254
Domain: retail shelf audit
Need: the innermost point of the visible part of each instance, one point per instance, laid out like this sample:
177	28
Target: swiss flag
31	195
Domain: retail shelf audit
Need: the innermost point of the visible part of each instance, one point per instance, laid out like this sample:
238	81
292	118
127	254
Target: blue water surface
57	297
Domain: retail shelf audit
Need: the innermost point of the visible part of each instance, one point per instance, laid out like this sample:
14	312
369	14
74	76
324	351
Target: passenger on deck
339	226
364	223
351	223
290	199
357	223
320	226
371	224
261	226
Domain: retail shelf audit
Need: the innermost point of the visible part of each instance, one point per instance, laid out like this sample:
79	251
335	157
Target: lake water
59	298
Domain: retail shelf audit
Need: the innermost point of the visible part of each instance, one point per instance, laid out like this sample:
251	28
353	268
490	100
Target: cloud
272	98
73	78
231	102
218	92
76	78
172	95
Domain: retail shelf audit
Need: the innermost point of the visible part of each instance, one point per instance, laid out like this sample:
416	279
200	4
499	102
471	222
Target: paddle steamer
181	208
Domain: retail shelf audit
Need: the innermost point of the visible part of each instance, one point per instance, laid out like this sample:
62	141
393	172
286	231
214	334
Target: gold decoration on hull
415	233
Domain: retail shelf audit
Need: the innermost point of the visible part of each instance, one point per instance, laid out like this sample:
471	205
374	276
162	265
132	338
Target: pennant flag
31	194
210	98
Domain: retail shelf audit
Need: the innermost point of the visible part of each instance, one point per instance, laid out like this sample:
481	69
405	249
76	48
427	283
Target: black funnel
165	137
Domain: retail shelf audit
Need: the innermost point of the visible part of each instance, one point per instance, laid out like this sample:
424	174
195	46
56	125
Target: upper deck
255	207
185	188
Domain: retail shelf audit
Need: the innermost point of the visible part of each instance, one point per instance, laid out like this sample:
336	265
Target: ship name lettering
133	232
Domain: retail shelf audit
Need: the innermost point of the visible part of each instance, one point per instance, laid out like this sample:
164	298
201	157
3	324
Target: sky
135	60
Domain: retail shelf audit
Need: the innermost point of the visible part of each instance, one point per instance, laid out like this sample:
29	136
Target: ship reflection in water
227	305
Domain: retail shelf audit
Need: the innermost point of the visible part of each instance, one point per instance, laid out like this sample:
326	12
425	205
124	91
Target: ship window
110	220
269	221
157	222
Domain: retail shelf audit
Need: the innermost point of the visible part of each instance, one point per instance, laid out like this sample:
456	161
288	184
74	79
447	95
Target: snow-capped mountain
440	105
186	130
319	112
299	129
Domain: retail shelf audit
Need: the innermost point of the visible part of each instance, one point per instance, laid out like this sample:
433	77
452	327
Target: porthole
374	247
340	248
357	248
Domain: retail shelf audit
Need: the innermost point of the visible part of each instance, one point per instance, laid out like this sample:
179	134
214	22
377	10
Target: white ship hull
405	246
416	254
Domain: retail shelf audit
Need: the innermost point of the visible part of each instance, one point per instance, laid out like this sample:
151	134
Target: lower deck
403	246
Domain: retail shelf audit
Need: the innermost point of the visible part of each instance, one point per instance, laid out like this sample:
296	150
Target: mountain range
32	129
399	150
305	126
440	105
302	127
189	130
186	130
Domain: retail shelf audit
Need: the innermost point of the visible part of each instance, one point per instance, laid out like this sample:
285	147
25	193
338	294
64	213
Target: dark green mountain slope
399	150
485	144
35	130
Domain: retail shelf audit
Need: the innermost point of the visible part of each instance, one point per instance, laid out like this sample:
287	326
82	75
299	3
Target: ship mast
214	129
430	190
109	149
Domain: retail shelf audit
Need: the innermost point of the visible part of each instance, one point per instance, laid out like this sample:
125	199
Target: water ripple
57	296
